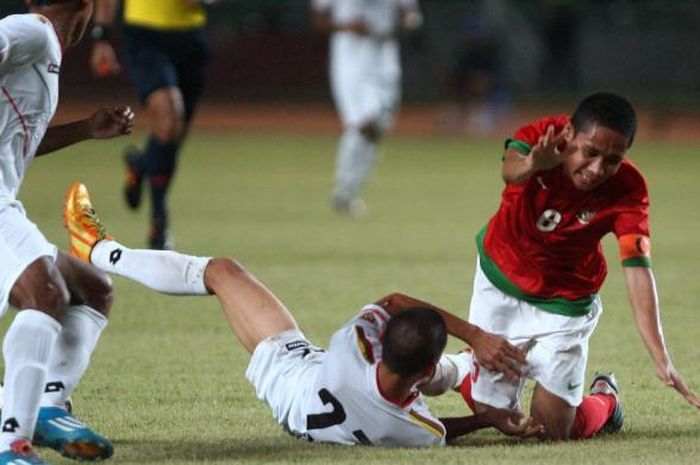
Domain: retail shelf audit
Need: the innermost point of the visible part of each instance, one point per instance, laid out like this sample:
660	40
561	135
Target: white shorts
365	79
21	243
558	346
282	370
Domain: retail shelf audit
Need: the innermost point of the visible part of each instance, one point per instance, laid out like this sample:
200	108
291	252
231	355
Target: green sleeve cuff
637	261
518	145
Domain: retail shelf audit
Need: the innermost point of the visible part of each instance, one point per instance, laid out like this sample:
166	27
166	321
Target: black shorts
156	59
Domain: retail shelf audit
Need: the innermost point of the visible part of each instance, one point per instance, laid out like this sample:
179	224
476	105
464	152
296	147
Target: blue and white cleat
62	432
605	383
21	453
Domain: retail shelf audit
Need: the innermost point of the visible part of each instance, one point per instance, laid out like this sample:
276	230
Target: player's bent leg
601	412
371	131
163	271
87	285
42	287
82	324
553	412
357	153
167	109
41	295
253	311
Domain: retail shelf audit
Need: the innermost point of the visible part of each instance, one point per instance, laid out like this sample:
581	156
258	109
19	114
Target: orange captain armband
635	250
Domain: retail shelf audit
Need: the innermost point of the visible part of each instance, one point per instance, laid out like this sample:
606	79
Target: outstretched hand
513	423
110	122
497	354
670	376
545	153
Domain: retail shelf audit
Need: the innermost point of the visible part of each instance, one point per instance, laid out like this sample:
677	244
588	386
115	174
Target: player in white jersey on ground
363	389
365	75
62	303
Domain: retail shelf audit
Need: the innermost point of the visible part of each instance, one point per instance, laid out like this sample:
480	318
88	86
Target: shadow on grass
655	432
279	450
285	449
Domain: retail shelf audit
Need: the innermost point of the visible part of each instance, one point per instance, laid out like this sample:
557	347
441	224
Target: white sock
162	270
356	158
449	373
82	327
27	349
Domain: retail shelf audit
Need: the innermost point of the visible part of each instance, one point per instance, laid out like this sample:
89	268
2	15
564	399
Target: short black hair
413	340
608	110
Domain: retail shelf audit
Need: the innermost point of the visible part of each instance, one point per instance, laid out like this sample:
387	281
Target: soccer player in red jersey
540	266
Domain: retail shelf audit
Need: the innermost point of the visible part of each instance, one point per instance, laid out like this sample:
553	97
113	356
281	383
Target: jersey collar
405	404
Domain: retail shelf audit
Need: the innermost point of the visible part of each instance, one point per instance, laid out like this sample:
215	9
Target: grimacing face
593	155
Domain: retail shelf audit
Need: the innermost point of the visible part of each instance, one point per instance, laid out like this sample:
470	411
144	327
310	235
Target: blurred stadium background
471	66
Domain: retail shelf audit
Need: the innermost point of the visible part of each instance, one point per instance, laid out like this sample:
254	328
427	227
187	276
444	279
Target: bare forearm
517	167
643	298
459	426
58	137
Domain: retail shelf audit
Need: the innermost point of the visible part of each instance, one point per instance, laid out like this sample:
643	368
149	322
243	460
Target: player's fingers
559	137
511	372
549	135
516	354
516	416
129	115
539	145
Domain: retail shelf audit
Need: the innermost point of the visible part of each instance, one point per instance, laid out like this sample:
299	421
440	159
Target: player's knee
556	427
50	296
170	128
371	131
221	270
99	293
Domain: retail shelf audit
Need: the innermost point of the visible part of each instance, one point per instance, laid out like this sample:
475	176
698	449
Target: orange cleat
84	227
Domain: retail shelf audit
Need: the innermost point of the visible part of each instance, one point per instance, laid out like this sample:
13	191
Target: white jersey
30	61
346	405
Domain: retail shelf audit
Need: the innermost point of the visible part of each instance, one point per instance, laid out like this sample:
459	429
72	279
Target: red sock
592	414
466	390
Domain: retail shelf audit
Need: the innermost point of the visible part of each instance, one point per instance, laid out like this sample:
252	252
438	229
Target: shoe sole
86	451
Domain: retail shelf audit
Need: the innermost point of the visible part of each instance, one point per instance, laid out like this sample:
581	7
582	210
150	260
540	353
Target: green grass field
166	382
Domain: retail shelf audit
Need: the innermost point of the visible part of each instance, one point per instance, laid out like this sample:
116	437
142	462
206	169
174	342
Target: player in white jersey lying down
62	304
364	389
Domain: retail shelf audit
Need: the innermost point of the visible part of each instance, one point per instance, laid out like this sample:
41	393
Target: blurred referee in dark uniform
166	56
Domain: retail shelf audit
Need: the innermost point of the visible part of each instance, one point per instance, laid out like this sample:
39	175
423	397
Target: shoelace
90	214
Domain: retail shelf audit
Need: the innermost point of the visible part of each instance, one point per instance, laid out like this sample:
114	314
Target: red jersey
545	238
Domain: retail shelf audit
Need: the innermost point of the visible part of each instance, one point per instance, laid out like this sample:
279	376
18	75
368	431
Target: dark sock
159	161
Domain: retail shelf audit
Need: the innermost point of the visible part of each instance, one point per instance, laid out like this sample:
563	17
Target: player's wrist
101	32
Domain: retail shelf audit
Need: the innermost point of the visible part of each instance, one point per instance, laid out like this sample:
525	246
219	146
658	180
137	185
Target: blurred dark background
485	55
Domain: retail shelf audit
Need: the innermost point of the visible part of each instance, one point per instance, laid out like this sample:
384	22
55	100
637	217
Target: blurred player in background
540	265
166	57
364	389
365	75
62	304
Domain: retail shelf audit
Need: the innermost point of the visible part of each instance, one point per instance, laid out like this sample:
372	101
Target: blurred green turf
166	382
